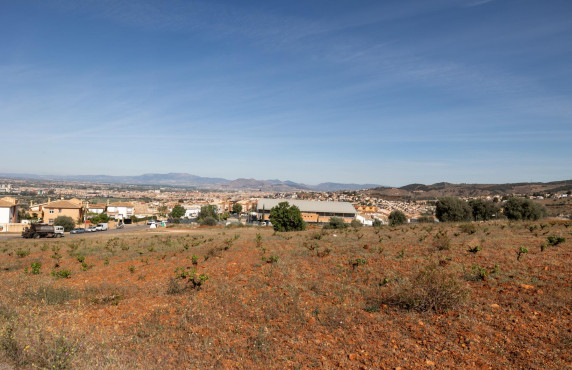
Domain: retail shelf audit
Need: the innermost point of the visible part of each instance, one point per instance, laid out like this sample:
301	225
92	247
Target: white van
101	227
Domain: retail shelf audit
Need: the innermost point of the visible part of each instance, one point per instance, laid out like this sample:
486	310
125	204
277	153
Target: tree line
453	209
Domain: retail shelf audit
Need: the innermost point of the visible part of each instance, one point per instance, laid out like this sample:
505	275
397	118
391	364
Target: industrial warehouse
312	211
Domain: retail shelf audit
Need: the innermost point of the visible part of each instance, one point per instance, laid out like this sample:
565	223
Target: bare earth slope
369	298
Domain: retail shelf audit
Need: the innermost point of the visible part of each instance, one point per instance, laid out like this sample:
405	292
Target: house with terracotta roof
8	211
96	208
120	210
52	210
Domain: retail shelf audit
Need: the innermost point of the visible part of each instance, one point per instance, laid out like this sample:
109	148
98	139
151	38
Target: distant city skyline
390	93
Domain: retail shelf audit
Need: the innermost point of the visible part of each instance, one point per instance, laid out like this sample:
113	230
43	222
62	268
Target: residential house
120	210
96	208
8	210
8	214
72	208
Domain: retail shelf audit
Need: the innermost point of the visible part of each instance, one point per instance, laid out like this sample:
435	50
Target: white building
192	213
8	213
96	208
120	211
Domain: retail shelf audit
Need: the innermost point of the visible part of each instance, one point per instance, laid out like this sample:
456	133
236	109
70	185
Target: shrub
67	222
357	262
521	251
475	249
555	240
208	221
397	218
425	220
377	223
61	274
286	218
523	209
271	259
336	223
453	209
190	280
468	228
432	289
323	253
441	241
356	224
478	273
36	266
22	253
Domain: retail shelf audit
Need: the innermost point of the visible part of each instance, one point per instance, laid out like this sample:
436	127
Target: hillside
442	189
411	297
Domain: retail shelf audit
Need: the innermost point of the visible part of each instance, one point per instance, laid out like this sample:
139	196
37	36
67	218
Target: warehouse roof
309	205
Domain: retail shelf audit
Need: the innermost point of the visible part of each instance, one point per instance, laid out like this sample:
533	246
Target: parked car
102	226
79	230
91	229
120	226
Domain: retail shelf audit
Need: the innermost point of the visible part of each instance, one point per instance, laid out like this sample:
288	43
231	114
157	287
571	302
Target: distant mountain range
186	179
414	191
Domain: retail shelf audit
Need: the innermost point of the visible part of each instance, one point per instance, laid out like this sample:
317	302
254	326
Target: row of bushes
453	209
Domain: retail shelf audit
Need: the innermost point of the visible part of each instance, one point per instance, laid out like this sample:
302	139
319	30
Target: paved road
127	229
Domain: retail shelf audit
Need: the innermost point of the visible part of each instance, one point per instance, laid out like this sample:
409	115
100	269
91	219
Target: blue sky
386	92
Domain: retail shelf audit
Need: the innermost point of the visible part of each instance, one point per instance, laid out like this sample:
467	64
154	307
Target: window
51	211
51	221
60	210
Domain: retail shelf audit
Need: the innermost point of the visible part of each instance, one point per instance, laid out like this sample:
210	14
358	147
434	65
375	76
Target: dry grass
377	298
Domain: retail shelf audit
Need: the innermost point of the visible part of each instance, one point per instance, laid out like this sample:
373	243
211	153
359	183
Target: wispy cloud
478	3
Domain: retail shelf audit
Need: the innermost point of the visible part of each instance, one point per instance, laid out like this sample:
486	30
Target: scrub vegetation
492	294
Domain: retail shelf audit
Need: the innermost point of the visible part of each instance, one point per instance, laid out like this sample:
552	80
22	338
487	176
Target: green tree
377	223
397	217
523	209
286	218
236	208
484	210
177	212
66	221
207	211
453	209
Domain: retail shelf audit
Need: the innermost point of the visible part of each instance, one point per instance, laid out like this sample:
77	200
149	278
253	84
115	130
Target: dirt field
492	295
